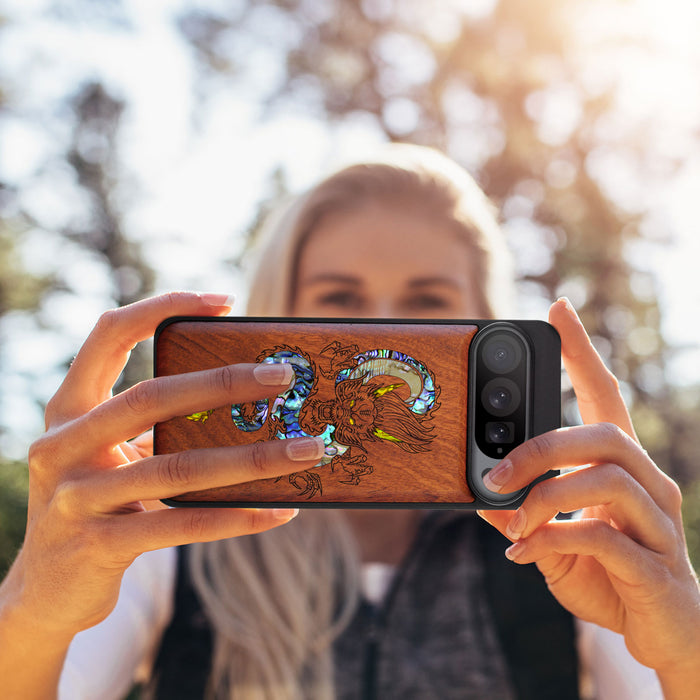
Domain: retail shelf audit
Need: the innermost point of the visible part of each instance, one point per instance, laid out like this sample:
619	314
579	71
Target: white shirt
104	661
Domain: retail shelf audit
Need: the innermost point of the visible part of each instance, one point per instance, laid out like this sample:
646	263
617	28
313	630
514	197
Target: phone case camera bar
390	399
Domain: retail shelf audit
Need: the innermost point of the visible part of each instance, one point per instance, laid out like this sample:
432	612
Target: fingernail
569	306
285	514
305	449
517	525
218	299
498	476
515	550
274	374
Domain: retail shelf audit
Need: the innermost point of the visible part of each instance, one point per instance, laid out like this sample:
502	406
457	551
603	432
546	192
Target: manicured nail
305	449
285	514
274	374
515	550
517	525
218	299
569	306
499	476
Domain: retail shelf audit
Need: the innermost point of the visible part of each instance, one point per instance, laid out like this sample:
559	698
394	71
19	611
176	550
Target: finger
596	388
138	448
497	518
105	352
154	400
143	444
606	486
143	532
166	476
618	554
579	445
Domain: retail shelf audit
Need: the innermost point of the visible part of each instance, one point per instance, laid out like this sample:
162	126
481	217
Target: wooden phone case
389	398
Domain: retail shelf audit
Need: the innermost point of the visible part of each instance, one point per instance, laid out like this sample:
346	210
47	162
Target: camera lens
500	396
499	432
502	353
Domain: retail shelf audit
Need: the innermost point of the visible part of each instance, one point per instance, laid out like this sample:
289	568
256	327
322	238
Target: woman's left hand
623	564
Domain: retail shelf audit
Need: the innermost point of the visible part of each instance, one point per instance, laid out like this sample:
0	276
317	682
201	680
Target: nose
382	307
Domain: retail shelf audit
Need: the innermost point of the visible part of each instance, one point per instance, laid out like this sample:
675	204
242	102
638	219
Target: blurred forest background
580	119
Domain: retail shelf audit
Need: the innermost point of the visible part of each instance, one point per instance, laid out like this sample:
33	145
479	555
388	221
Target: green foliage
18	289
14	483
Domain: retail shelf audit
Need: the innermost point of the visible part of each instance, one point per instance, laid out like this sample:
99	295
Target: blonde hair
277	600
416	176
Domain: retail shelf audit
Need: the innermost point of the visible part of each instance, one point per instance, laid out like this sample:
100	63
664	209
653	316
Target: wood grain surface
395	394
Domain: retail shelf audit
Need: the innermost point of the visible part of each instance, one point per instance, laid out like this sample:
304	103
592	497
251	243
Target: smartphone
413	413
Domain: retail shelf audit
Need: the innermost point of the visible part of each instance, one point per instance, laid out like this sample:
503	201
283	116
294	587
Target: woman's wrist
18	616
681	680
31	664
33	652
681	683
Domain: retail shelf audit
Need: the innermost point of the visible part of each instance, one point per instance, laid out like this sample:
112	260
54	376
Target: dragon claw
307	483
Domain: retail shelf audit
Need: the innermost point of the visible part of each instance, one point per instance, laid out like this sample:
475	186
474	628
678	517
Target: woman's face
385	261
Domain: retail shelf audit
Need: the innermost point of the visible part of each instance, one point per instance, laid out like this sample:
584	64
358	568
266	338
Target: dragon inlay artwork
352	399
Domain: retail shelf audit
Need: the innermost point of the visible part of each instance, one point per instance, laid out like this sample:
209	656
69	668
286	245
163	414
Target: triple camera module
500	365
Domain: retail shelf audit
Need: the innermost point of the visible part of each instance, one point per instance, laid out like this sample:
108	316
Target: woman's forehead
384	239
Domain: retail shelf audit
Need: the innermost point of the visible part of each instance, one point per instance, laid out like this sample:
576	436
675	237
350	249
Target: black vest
426	608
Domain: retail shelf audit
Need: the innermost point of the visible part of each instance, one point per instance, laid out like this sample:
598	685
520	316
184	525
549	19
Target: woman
412	236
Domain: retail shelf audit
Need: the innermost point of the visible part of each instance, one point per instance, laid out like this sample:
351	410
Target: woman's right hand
88	516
